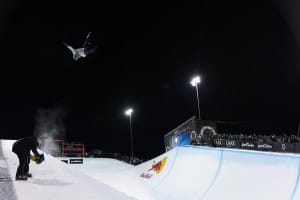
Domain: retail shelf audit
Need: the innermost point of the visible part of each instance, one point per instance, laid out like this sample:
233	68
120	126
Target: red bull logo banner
156	168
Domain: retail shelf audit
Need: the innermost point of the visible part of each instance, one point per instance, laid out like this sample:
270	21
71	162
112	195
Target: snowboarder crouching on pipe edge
22	148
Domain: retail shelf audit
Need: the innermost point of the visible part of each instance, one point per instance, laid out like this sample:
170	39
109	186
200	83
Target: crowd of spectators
209	139
284	138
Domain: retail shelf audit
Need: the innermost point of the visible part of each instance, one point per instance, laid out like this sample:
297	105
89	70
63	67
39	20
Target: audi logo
230	143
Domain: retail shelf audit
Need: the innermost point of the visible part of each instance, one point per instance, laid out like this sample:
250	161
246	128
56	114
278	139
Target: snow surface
55	180
183	173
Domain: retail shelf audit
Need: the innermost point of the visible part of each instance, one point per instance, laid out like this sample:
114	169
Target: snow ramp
196	173
54	180
183	173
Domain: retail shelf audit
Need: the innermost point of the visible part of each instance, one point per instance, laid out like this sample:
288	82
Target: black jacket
24	145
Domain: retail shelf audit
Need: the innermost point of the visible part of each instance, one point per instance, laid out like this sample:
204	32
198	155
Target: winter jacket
24	145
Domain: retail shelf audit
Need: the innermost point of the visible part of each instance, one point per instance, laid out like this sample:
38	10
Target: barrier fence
59	148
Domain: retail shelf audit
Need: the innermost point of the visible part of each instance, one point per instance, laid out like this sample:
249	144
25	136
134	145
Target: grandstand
205	133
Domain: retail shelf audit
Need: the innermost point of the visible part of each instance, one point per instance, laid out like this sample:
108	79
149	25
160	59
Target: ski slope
184	173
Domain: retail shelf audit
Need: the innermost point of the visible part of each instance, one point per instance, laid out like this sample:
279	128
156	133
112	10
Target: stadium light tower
195	81
129	112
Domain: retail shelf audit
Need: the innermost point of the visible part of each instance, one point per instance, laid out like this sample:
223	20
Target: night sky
246	52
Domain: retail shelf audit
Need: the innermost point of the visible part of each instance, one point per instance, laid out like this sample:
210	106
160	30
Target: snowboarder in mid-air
87	48
22	148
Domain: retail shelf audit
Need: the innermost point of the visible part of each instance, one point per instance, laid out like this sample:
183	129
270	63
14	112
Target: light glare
195	81
129	111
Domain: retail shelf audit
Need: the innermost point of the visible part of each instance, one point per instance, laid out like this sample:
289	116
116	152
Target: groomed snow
55	180
189	173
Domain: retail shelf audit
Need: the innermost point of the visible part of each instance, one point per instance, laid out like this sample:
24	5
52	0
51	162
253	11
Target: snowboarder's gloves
32	157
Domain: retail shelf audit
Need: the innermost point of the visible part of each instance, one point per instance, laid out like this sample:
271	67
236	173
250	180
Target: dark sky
246	53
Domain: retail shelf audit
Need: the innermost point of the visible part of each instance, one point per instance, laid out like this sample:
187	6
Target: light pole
194	83
128	112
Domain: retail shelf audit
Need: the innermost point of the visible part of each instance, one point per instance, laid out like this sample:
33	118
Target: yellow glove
32	157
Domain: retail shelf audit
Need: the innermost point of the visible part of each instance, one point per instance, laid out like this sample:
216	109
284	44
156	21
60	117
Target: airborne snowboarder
87	48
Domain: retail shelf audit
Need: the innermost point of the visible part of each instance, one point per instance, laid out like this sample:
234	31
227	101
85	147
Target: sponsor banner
226	143
263	146
260	146
232	143
248	145
76	161
219	143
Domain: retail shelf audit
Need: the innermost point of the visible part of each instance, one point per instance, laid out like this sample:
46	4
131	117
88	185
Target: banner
232	143
76	161
263	146
251	145
248	145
